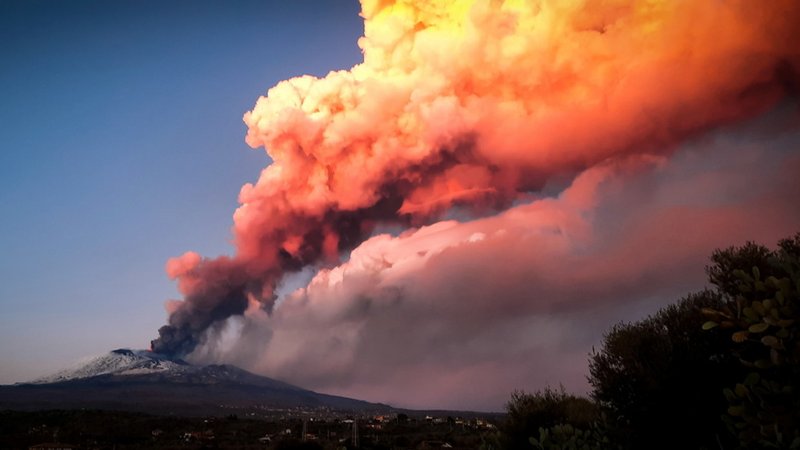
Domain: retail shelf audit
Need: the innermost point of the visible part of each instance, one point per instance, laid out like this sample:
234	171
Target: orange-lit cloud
476	105
459	314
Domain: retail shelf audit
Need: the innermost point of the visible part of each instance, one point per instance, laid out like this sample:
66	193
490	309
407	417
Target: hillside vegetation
719	369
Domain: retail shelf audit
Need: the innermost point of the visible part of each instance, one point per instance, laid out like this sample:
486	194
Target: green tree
567	437
725	359
761	321
528	412
659	379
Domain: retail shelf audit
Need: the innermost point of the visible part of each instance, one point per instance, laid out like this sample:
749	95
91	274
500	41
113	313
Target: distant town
305	428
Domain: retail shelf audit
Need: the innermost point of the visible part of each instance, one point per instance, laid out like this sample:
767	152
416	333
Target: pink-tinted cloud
458	314
475	104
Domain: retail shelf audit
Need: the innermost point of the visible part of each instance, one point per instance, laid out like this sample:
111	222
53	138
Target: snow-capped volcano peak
141	380
118	362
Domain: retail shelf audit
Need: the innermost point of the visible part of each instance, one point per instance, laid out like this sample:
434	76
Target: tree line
718	369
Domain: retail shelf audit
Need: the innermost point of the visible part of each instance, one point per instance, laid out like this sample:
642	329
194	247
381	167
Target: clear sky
122	144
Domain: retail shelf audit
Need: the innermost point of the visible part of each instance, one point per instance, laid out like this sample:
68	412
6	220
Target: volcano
140	380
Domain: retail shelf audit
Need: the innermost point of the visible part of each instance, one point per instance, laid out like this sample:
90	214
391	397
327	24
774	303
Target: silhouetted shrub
761	322
718	369
527	413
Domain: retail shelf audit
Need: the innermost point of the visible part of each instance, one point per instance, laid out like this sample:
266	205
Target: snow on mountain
140	380
143	365
120	362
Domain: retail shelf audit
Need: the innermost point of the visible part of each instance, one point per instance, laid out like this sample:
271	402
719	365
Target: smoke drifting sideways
475	105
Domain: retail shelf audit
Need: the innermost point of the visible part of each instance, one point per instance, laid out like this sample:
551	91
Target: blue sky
123	145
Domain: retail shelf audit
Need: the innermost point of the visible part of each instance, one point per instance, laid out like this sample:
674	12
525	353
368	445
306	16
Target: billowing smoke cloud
475	105
459	314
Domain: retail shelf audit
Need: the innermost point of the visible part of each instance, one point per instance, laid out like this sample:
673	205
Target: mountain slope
138	380
120	362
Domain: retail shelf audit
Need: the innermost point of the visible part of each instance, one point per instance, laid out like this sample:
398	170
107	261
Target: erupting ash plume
475	104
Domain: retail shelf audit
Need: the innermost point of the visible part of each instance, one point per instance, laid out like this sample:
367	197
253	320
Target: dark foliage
664	374
543	409
679	380
727	261
760	322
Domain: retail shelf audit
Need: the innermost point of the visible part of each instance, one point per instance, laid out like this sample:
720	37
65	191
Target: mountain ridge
140	380
132	363
116	361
